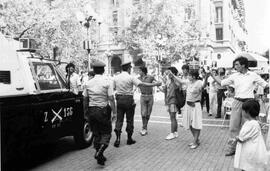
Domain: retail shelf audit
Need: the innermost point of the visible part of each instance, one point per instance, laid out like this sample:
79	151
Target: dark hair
202	70
173	70
194	73
91	73
143	69
185	67
242	60
70	65
252	107
126	67
223	72
98	70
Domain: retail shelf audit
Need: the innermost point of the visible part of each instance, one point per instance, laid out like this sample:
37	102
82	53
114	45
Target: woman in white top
192	115
251	153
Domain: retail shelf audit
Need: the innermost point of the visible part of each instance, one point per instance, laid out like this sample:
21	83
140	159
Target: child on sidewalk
251	153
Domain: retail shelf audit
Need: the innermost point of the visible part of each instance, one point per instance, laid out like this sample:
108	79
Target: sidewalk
151	152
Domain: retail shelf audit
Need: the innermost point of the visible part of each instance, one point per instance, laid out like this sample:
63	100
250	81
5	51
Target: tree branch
25	31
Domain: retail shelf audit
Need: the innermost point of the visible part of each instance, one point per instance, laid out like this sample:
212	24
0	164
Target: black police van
35	103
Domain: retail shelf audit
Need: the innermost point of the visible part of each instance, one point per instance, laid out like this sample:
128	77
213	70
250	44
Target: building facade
221	22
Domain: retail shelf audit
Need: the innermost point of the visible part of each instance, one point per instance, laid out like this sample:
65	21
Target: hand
114	117
232	141
158	83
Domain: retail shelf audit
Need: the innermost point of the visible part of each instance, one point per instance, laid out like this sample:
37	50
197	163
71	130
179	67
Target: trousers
101	125
125	106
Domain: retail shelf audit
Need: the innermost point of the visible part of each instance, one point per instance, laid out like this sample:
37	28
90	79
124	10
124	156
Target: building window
219	34
115	18
219	15
189	13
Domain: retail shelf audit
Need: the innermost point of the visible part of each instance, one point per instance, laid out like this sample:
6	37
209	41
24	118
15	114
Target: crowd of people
106	95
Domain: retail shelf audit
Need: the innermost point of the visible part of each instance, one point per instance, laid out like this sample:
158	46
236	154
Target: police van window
46	76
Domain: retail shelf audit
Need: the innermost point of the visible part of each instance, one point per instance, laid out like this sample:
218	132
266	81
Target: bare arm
112	104
217	80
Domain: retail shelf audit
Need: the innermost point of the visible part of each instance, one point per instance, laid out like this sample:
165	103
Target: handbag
180	98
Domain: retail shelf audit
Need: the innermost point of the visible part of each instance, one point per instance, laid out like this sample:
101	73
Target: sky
258	24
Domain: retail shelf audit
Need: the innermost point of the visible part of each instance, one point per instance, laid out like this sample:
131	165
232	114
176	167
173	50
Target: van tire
84	136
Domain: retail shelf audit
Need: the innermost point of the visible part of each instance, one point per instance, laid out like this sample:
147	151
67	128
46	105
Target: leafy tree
51	23
159	31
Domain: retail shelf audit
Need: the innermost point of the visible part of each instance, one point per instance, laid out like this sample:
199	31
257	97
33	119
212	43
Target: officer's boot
100	157
117	141
130	141
97	147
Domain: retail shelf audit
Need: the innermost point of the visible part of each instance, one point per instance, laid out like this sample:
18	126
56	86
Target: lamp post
90	21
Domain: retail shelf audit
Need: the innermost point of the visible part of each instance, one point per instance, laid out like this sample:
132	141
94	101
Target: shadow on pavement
40	154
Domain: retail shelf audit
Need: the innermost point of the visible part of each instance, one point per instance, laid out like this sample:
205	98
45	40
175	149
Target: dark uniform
99	91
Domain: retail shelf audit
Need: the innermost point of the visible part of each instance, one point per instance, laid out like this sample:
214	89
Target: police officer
99	91
73	78
123	83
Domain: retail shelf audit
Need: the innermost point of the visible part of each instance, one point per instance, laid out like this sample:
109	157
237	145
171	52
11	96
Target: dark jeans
101	125
220	97
125	105
205	98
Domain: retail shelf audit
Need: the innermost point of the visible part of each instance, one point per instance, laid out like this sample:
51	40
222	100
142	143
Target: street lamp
90	21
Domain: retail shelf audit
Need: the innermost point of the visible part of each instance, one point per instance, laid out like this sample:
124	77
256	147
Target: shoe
143	132
175	134
194	146
130	141
217	117
170	136
230	153
210	114
190	144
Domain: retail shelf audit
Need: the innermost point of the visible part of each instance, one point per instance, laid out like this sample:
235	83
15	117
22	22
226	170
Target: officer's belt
243	100
124	95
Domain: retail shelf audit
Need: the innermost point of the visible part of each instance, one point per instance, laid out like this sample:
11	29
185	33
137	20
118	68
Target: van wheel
84	137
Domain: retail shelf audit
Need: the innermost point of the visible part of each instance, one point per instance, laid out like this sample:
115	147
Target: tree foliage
159	30
50	23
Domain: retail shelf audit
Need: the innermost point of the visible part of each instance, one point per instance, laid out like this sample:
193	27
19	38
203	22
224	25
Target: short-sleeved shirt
75	83
244	84
98	89
194	91
147	79
124	82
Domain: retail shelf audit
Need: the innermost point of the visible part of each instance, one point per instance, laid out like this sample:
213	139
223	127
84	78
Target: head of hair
126	67
194	73
185	67
221	72
242	61
91	73
252	107
98	70
143	69
173	70
70	65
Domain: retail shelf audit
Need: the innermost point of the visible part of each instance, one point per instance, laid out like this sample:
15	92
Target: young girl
251	153
192	115
170	100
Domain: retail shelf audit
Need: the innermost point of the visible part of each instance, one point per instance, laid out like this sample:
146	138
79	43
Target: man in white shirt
244	82
73	78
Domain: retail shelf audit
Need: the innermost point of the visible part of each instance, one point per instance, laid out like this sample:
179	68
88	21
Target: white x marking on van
57	116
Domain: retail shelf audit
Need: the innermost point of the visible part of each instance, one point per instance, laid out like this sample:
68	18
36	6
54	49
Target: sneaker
175	134
170	136
143	132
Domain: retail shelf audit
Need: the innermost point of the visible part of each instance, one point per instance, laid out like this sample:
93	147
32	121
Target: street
151	152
